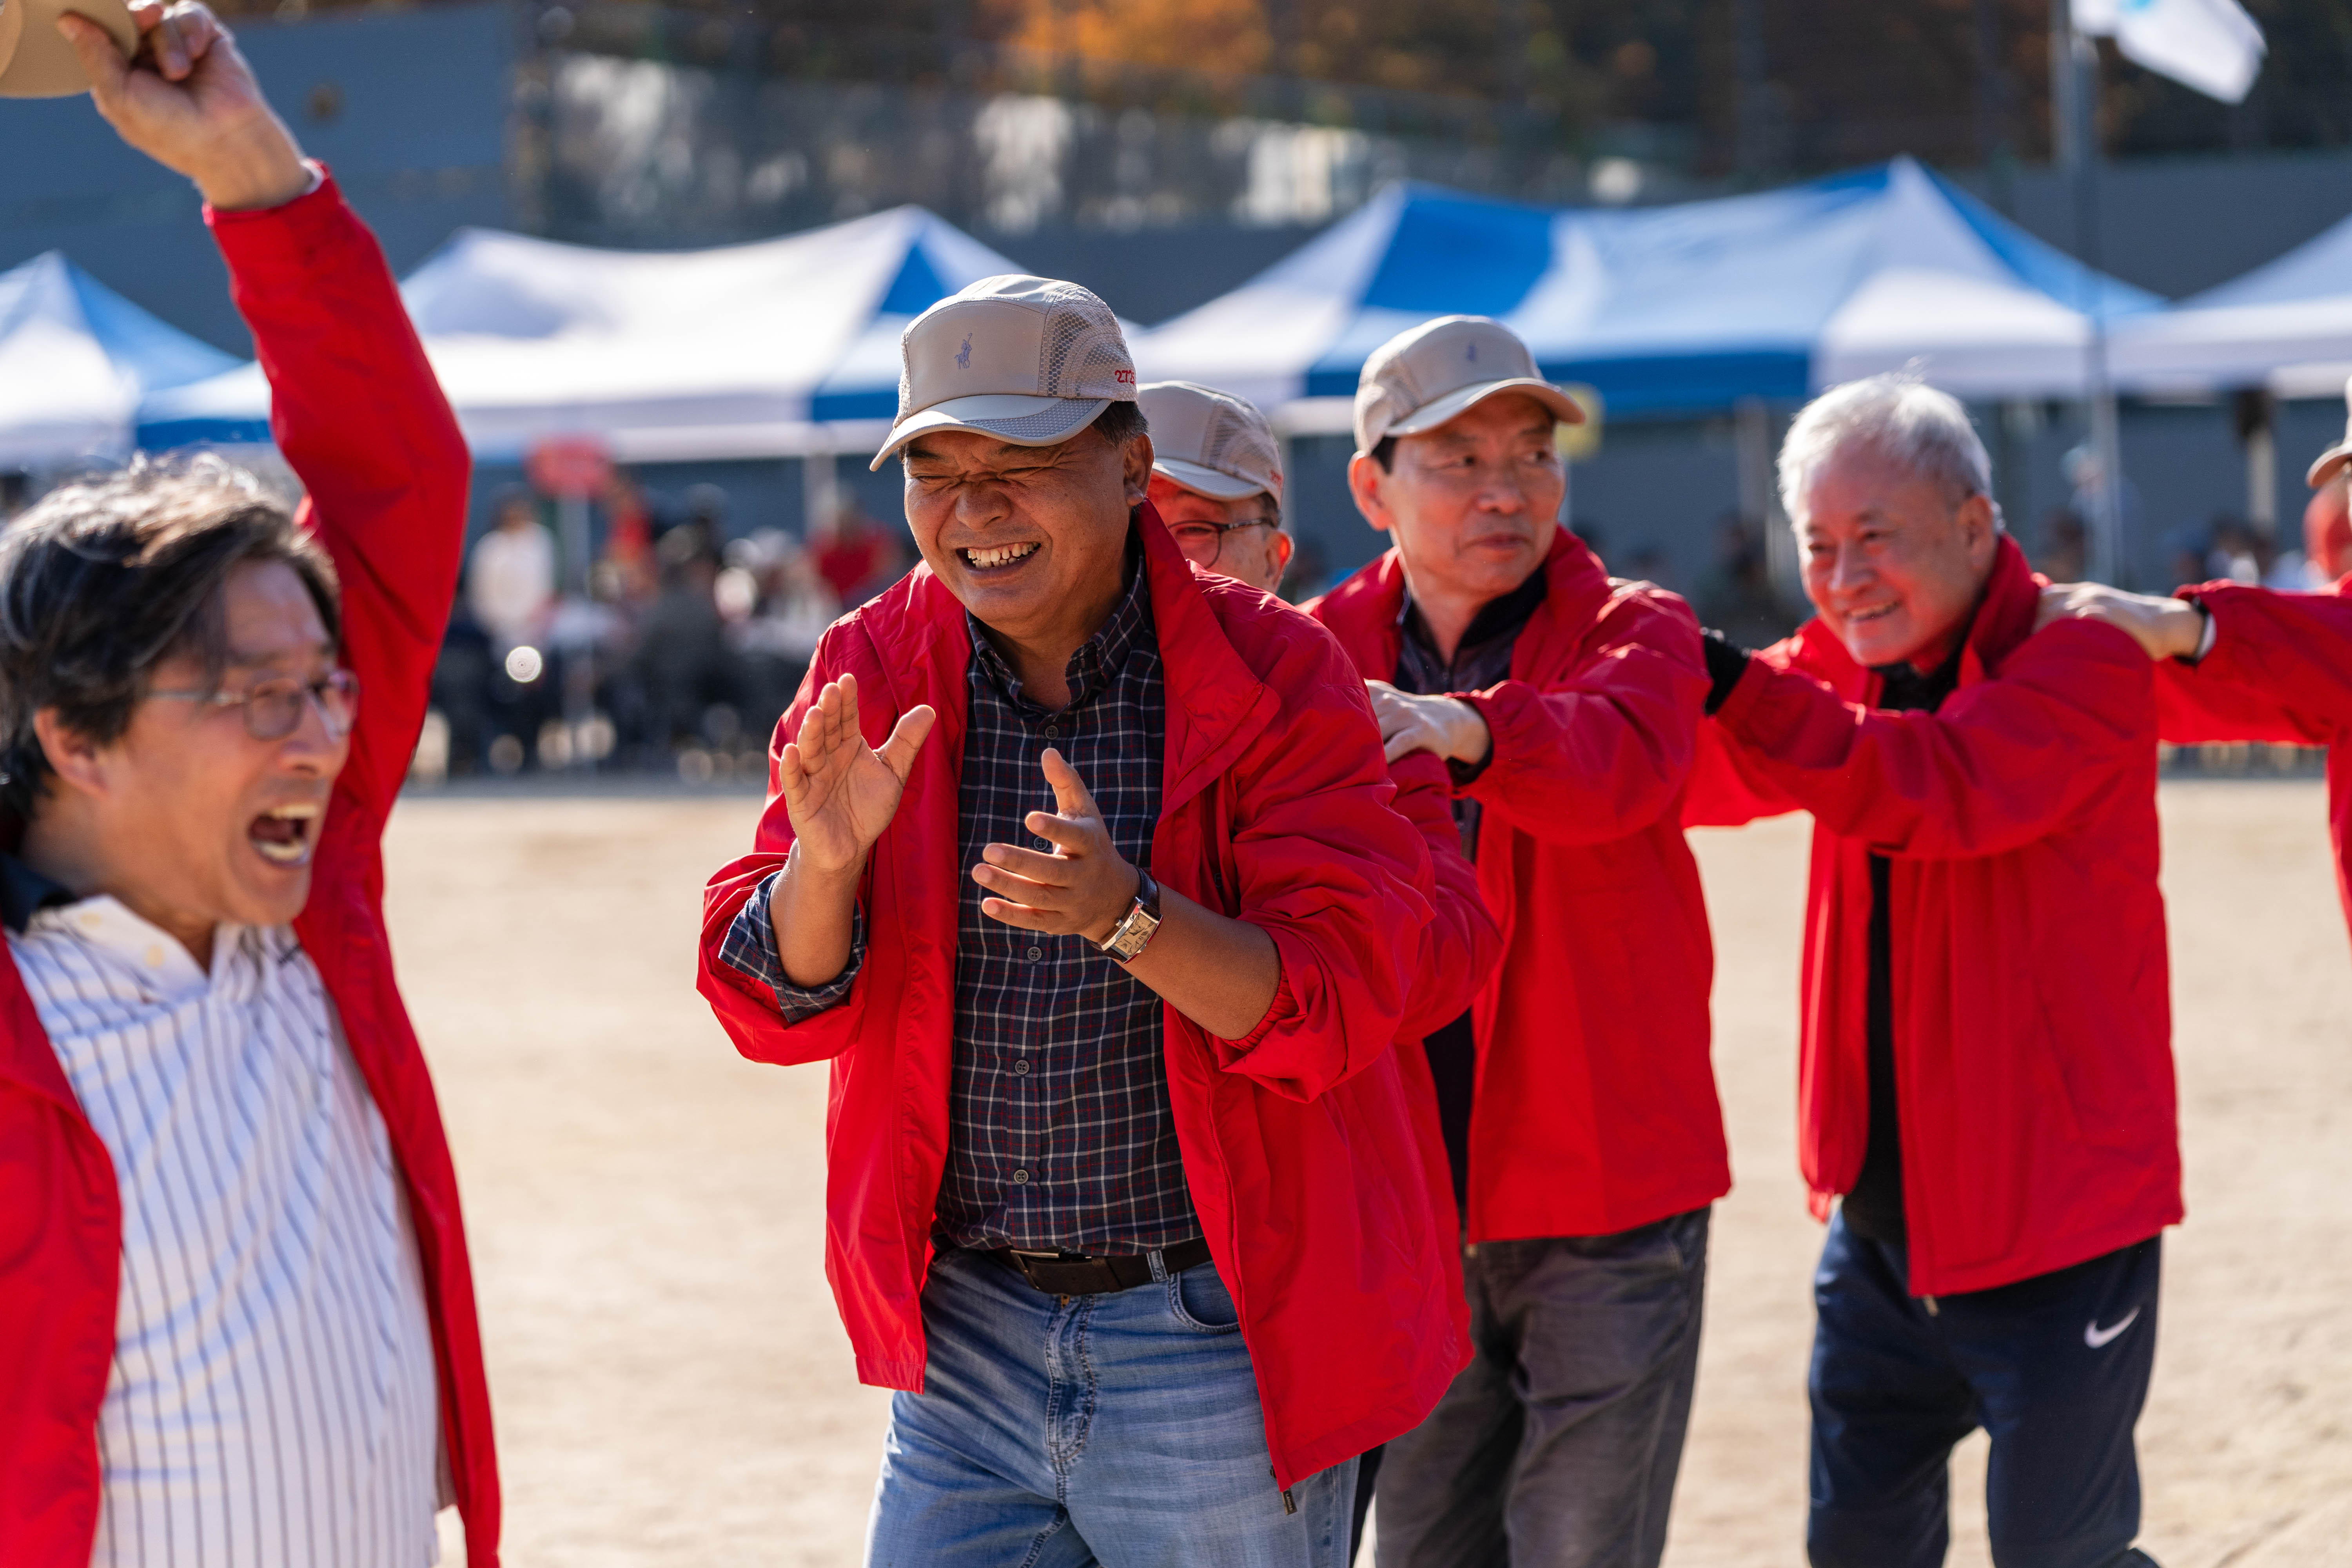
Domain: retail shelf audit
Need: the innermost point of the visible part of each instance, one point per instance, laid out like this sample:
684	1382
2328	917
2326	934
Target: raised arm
2003	763
355	407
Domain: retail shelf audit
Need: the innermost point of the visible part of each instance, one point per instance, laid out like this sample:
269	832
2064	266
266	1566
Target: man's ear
76	761
1978	528
1364	482
1283	547
1135	469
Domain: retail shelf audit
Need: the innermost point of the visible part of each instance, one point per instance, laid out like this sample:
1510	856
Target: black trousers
2055	1368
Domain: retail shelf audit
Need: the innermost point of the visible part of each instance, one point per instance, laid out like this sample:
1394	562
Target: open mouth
1876	613
997	557
285	834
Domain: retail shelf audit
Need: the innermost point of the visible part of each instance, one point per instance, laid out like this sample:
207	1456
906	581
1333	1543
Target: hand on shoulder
2164	627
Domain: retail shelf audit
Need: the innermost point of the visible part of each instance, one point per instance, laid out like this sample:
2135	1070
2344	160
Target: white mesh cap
1026	360
1424	376
1210	441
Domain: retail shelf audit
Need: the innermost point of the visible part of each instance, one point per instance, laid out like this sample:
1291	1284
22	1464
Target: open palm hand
840	791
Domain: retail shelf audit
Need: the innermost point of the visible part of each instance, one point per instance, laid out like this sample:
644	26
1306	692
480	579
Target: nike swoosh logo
2097	1338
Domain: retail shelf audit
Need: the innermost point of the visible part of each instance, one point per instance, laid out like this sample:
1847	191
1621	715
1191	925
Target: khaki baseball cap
2331	462
1210	442
1027	360
36	61
1420	378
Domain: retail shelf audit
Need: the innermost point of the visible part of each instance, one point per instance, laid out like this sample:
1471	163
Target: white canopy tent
780	348
74	359
2286	325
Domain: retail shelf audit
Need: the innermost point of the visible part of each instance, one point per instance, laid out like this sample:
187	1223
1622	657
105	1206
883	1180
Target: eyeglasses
274	708
1200	533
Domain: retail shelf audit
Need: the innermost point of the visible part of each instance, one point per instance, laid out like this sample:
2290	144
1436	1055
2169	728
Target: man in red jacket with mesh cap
1080	869
1985	1075
1577	1095
236	1318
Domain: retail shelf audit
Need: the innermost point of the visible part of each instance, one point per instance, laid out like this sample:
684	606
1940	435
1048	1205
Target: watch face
1133	935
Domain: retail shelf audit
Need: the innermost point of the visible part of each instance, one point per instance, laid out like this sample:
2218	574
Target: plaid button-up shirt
1060	1133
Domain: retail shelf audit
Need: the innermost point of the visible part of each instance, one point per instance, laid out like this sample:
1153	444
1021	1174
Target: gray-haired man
1986	1068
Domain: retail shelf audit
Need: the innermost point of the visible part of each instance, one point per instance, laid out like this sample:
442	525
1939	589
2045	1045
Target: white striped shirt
273	1399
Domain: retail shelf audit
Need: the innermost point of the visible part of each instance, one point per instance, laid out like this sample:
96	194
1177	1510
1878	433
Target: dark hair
1384	454
1121	423
108	576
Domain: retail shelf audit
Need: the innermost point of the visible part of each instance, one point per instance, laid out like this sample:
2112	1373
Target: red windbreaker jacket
1299	1142
1595	1107
359	416
2281	670
2032	1019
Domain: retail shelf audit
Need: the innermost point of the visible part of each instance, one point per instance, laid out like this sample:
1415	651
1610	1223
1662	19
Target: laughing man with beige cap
1078	867
1565	706
2239	663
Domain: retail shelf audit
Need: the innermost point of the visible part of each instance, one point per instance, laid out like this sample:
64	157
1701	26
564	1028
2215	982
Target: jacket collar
2004	619
1364	611
1216	704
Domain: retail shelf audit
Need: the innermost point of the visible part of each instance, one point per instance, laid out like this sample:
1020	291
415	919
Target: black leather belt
1079	1274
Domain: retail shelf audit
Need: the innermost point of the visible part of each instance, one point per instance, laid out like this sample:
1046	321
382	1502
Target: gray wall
409	108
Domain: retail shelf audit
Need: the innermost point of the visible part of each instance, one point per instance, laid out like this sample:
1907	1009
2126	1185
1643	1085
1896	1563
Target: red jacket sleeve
360	419
1728	789
746	1008
2280	670
1605	750
1329	871
2003	763
1460	946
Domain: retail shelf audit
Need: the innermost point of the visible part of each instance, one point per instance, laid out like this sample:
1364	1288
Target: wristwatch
1132	935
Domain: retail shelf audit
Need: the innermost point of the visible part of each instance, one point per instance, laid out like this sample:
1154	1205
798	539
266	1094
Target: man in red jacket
1080	868
2239	663
1216	479
1986	1070
1577	1100
237	1324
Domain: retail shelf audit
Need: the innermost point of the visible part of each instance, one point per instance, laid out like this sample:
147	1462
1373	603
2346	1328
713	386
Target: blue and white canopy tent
74	359
1676	309
2286	325
781	348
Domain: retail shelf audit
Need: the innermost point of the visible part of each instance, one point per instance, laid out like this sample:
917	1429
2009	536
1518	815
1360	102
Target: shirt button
1020	1069
90	920
1020	1178
154	957
1035	953
1053	729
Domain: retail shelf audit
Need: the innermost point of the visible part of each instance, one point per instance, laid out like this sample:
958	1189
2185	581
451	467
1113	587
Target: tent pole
2073	128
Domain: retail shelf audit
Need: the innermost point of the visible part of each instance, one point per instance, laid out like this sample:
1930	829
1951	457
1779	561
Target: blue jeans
1062	1431
2054	1368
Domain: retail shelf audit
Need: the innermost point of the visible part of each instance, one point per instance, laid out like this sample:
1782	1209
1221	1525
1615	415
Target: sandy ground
673	1387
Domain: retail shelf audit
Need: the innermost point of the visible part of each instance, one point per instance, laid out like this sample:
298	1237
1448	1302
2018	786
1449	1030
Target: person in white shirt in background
510	576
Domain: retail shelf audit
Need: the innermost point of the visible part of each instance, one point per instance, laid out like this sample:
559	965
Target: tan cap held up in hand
36	61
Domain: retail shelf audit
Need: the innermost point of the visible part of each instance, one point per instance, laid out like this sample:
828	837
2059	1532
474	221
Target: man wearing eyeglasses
1216	479
236	1321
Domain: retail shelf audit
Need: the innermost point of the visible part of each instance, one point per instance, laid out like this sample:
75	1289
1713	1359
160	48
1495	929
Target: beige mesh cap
1210	442
1026	360
1420	378
2331	462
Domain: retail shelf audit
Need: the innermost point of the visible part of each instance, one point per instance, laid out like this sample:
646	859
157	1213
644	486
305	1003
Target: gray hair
1902	419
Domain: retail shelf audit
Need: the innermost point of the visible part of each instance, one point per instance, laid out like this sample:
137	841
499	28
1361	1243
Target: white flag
2211	45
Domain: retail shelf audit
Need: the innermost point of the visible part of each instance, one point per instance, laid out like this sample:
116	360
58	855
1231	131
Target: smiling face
187	818
1472	505
1894	561
1202	526
1031	539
